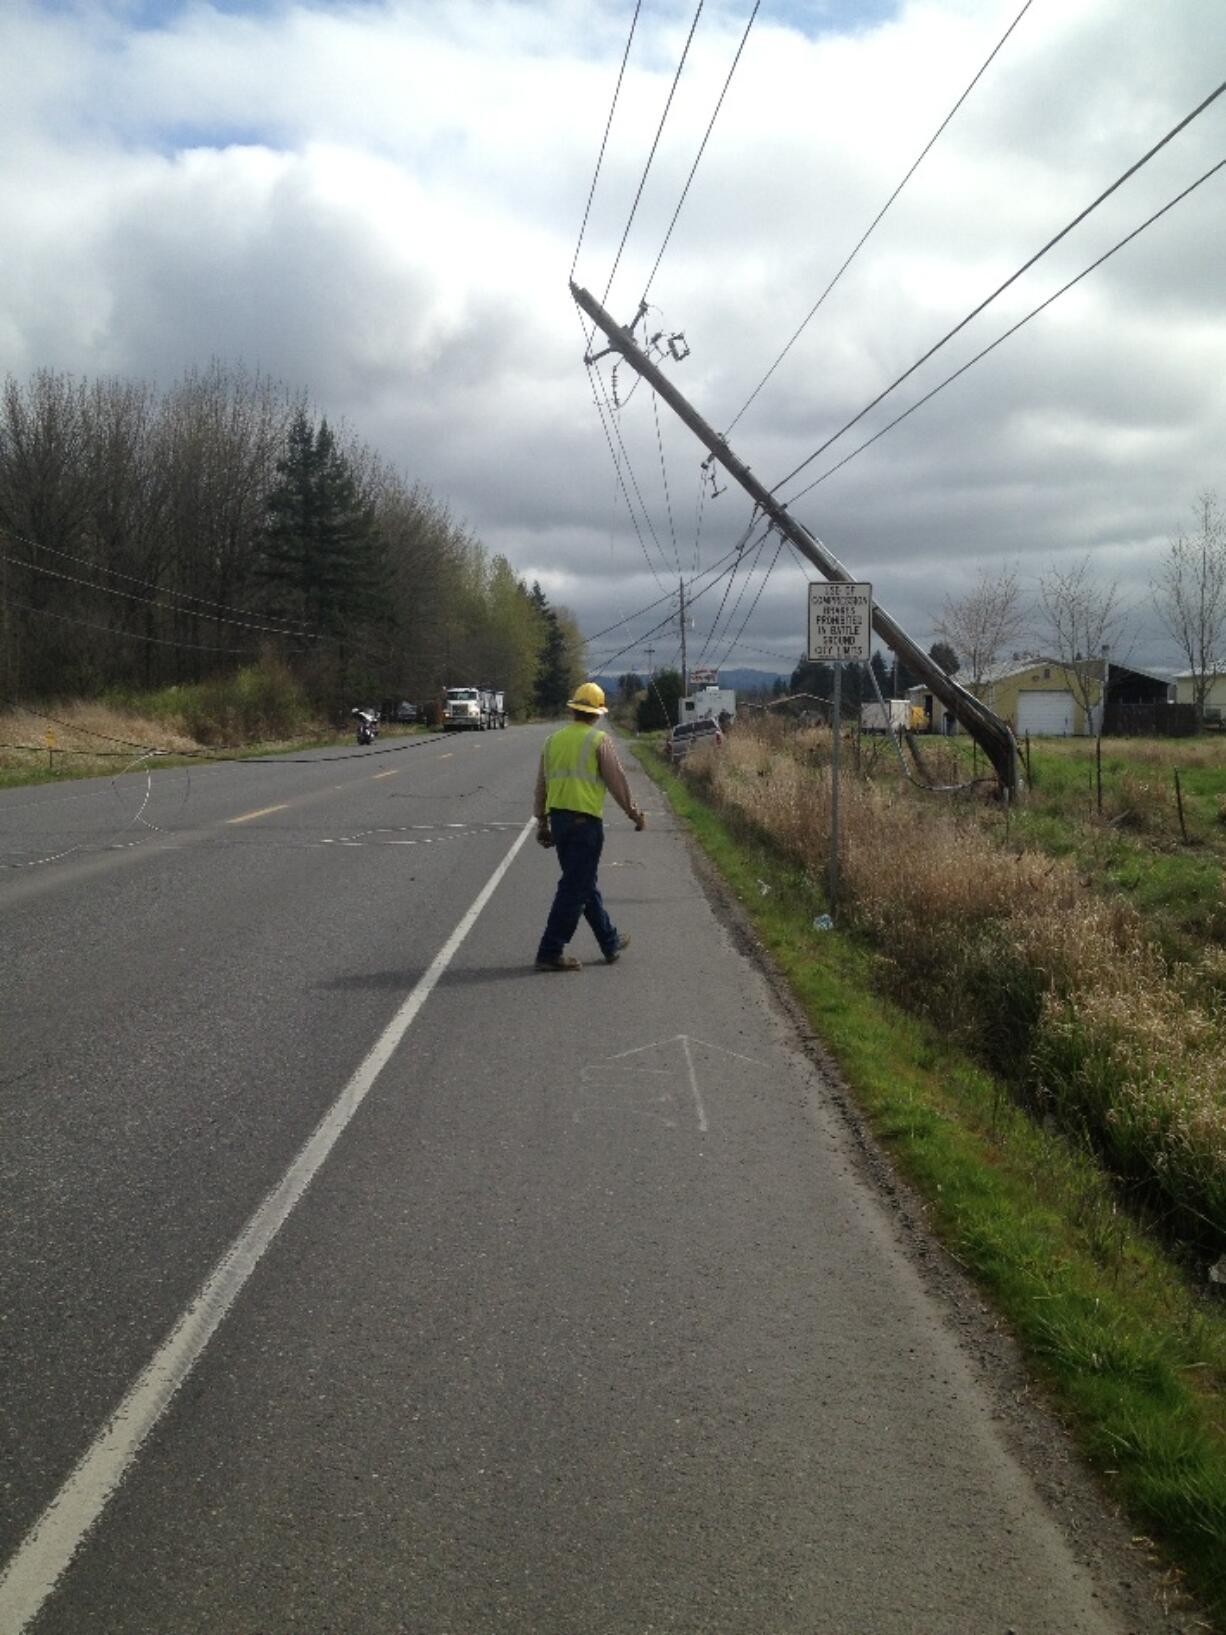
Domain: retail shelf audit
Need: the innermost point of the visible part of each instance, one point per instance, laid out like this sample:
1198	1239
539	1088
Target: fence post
1098	773
1183	828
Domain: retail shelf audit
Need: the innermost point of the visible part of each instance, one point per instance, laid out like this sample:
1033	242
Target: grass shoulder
1129	1353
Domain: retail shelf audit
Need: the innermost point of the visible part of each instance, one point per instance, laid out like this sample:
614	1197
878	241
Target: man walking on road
578	765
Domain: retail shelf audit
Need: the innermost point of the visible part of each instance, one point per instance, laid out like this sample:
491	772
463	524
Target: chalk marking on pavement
394	771
689	1067
263	812
613	1064
44	1555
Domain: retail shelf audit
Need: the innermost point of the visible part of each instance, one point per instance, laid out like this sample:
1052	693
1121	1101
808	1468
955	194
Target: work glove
543	836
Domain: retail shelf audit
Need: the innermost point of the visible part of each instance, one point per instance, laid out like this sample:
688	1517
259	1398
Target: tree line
156	536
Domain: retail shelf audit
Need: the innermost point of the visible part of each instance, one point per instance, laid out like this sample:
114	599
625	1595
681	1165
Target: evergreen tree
553	672
321	559
659	705
945	656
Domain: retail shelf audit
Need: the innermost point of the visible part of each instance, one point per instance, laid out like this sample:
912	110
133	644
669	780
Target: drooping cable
293	627
732	645
123	635
702	149
144	601
715	623
605	139
592	377
668	504
1000	339
873	225
1012	279
604	300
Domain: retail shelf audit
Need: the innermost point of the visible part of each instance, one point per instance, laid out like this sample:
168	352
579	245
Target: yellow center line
263	812
390	774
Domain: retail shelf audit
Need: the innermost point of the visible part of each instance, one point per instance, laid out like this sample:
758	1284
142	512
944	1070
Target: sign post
840	629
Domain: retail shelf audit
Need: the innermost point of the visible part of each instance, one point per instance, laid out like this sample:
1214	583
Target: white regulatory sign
840	621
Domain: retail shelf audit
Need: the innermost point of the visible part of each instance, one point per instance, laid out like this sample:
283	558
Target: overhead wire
1012	279
668	503
711	634
604	300
141	601
702	149
592	377
293	626
614	422
1000	339
605	139
129	635
757	598
876	221
641	638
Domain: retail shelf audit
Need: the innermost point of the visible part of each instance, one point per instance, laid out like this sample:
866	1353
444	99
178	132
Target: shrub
261	701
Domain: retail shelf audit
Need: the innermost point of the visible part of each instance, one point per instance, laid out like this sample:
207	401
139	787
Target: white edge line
43	1556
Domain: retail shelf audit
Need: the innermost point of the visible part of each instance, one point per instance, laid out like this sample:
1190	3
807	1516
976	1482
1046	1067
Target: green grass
1133	1358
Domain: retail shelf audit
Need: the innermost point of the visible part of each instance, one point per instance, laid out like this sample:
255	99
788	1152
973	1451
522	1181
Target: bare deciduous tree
981	625
1190	596
1083	616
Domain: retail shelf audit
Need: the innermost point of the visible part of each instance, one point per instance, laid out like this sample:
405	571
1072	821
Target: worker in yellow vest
578	765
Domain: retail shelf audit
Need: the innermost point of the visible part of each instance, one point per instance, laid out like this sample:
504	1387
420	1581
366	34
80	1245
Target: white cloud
380	202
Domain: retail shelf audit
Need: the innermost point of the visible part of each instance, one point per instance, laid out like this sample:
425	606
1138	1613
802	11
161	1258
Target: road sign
840	621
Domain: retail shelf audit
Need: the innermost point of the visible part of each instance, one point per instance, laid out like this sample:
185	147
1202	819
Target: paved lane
587	1323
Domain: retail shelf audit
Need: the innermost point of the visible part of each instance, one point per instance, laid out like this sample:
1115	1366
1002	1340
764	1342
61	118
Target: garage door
1045	714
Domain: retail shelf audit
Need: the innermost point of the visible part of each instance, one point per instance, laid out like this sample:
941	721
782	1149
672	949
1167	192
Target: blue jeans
578	840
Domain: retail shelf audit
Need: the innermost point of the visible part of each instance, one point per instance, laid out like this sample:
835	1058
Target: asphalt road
580	1321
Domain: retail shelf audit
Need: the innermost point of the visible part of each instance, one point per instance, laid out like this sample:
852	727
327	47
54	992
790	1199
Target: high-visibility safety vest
572	776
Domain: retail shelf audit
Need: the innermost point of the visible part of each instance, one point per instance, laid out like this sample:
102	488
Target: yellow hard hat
589	698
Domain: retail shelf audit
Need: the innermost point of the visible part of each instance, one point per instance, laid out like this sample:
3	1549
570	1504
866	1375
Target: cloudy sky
380	201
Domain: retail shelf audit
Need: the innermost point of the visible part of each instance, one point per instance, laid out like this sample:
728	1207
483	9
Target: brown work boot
619	947
564	962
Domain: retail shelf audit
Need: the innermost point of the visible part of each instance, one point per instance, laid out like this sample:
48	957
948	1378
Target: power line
620	479
668	504
749	615
141	601
293	627
129	635
877	218
663	623
650	157
604	140
634	482
724	600
702	148
1012	279
668	596
1021	323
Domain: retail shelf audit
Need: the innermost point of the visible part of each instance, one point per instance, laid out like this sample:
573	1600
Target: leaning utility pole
988	730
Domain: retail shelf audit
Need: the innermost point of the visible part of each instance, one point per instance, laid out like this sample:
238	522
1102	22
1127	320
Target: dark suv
686	734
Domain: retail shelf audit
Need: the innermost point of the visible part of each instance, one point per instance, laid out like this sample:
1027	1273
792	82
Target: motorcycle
367	726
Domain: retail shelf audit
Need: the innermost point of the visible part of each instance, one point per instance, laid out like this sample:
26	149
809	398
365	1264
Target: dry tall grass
90	736
1057	987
